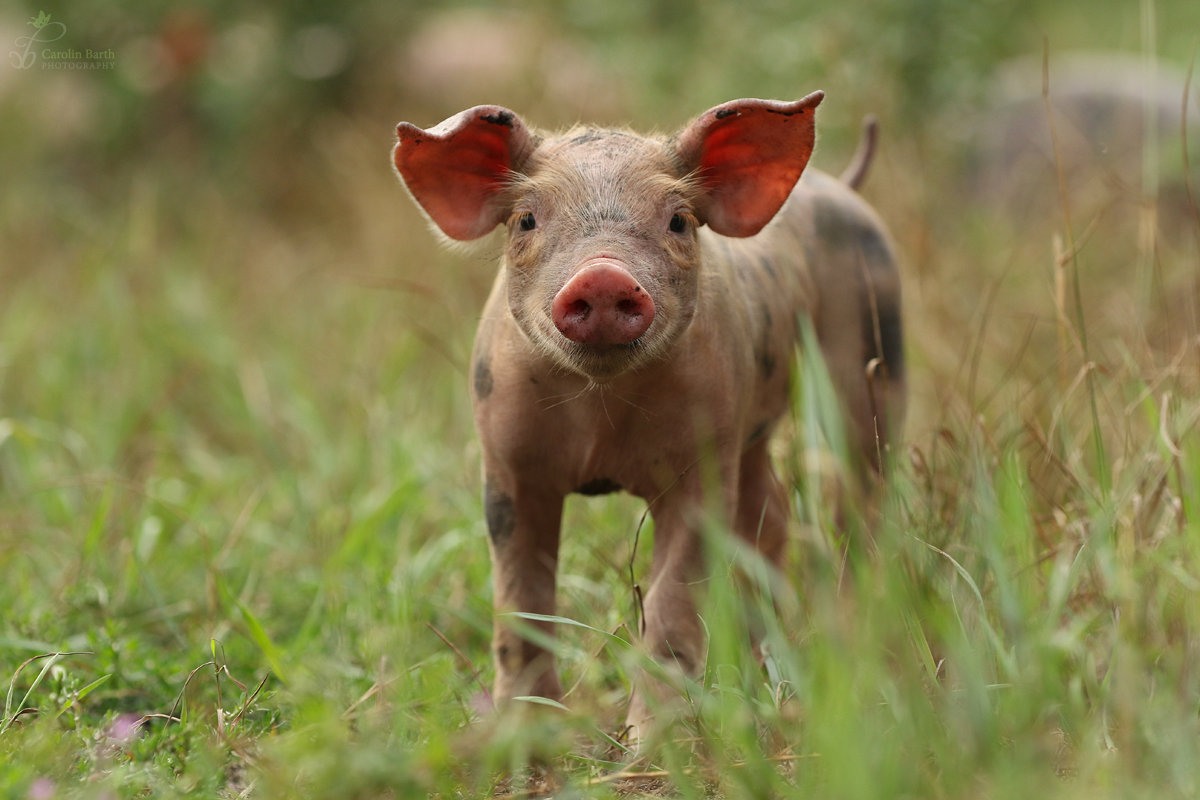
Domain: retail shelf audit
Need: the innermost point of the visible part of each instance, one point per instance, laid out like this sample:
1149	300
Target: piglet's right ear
459	169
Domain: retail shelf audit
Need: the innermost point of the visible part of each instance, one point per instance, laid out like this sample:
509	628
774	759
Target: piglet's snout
603	304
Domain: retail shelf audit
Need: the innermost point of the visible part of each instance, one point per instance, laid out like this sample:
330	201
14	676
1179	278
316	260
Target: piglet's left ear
748	155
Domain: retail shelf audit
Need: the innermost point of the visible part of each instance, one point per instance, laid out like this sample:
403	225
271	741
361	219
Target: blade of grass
258	635
84	692
1097	436
9	716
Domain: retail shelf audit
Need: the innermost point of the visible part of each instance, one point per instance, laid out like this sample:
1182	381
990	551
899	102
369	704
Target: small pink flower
482	704
41	789
124	729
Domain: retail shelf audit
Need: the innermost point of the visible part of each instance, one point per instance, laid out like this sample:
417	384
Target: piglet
639	335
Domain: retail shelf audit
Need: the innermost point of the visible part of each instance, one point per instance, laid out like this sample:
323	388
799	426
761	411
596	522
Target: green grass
242	548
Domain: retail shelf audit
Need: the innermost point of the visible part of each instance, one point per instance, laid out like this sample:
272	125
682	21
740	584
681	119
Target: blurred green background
233	400
256	136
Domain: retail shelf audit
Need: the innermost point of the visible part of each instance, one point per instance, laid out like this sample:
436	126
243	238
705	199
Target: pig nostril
602	305
579	309
630	308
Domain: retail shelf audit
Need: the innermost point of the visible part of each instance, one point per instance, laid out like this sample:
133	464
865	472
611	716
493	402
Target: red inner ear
457	170
749	154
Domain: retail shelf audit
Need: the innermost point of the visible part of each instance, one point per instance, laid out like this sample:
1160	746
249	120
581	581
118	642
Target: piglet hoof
654	709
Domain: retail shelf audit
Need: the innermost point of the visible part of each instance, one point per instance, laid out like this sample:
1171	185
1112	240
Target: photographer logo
30	49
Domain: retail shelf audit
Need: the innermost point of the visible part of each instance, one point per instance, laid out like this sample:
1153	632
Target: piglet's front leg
673	632
523	532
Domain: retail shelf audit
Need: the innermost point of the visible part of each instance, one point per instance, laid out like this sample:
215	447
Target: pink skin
603	304
615	239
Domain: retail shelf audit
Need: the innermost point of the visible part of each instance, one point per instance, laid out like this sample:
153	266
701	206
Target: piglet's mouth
603	306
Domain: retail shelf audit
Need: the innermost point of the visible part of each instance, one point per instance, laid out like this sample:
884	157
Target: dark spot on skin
891	335
766	360
610	141
766	357
610	213
844	229
605	217
768	266
532	379
598	486
726	112
760	430
503	118
518	655
810	256
587	137
642	236
501	515
484	382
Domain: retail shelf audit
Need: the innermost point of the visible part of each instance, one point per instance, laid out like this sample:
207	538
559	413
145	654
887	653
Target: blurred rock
243	52
466	57
1100	106
319	51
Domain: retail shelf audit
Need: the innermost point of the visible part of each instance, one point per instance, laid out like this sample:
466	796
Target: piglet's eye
527	222
678	223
